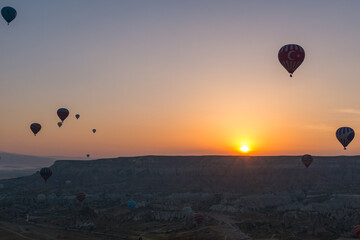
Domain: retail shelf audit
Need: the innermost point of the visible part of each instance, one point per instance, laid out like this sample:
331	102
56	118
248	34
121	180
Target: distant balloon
357	231
291	56
41	197
307	159
131	205
187	209
81	197
68	181
45	173
94	130
62	113
77	116
345	135
8	14
87	155
199	218
35	128
59	124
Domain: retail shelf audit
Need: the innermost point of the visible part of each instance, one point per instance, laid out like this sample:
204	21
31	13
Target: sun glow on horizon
244	148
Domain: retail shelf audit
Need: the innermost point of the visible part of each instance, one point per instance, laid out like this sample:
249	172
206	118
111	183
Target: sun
244	148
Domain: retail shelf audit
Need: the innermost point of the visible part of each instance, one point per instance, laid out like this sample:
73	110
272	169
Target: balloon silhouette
9	14
35	128
45	173
345	135
307	159
291	57
62	113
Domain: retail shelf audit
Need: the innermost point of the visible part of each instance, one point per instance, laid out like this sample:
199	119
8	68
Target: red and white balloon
291	57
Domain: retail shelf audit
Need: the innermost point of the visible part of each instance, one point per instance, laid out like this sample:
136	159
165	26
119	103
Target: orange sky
178	78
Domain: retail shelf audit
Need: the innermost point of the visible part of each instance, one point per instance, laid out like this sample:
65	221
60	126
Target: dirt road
228	226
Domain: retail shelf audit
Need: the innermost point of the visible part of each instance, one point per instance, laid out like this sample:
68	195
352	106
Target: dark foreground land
239	197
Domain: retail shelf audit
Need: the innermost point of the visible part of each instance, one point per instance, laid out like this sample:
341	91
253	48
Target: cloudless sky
178	77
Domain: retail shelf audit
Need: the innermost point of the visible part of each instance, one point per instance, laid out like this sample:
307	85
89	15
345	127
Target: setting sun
244	148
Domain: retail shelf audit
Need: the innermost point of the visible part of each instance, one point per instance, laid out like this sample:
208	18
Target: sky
178	77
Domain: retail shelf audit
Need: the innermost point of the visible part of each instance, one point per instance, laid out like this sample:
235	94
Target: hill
168	174
259	197
16	165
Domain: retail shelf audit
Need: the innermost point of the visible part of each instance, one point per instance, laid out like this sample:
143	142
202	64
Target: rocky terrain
239	197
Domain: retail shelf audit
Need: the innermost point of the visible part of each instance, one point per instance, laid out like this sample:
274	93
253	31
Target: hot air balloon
87	155
187	209
131	205
94	130
81	197
291	56
77	116
357	231
62	113
68	181
8	14
59	124
41	197
345	135
199	218
307	159
45	173
35	128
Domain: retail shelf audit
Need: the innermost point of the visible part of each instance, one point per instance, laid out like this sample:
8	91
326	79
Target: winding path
231	231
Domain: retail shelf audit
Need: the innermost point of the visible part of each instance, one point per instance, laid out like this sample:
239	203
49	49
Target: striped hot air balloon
45	173
357	231
345	135
291	57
